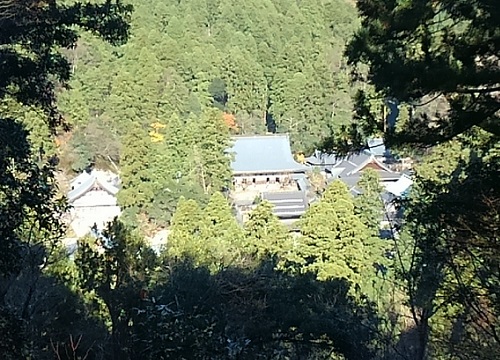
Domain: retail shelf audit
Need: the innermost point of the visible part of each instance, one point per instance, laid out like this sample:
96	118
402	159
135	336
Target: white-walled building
93	201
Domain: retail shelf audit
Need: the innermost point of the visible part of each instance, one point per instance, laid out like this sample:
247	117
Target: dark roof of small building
322	159
287	204
351	170
375	147
389	176
350	181
354	163
264	154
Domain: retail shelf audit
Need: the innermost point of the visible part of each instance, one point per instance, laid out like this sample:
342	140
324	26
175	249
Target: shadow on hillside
257	314
464	262
192	314
41	318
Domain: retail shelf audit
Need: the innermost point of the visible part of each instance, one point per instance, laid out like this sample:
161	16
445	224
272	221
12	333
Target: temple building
93	201
349	168
264	168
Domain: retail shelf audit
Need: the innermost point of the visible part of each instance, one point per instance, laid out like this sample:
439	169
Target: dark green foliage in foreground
258	314
438	58
34	308
439	61
117	275
164	308
267	62
13	337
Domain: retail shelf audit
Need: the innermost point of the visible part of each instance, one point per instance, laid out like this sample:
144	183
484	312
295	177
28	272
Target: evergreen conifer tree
369	204
332	238
184	237
222	236
137	187
212	162
265	234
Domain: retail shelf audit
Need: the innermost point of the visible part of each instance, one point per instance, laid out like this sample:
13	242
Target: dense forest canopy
158	101
265	66
273	65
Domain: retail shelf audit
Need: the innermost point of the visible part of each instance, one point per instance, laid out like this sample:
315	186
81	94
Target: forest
266	66
154	90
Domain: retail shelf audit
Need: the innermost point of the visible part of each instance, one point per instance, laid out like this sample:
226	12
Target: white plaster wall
260	178
84	217
95	207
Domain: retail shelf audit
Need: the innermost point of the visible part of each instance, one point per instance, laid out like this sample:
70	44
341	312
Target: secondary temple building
349	169
93	201
264	169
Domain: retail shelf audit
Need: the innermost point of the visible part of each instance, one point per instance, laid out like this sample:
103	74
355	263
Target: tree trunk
423	336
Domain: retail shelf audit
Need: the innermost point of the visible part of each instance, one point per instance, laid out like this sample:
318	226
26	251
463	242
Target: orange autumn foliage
62	139
230	121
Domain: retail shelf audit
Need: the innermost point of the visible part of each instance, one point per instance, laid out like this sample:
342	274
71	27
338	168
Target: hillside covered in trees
156	90
150	106
269	65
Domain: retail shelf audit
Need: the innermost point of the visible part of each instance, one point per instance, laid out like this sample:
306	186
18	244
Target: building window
268	180
277	179
254	181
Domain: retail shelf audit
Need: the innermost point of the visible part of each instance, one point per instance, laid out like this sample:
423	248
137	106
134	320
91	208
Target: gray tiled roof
86	184
82	177
303	184
322	159
401	186
287	204
263	154
377	147
302	181
389	175
350	181
352	162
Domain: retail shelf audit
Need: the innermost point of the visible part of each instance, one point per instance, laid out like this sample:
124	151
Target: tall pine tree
184	237
265	235
369	204
212	162
137	187
332	239
221	235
